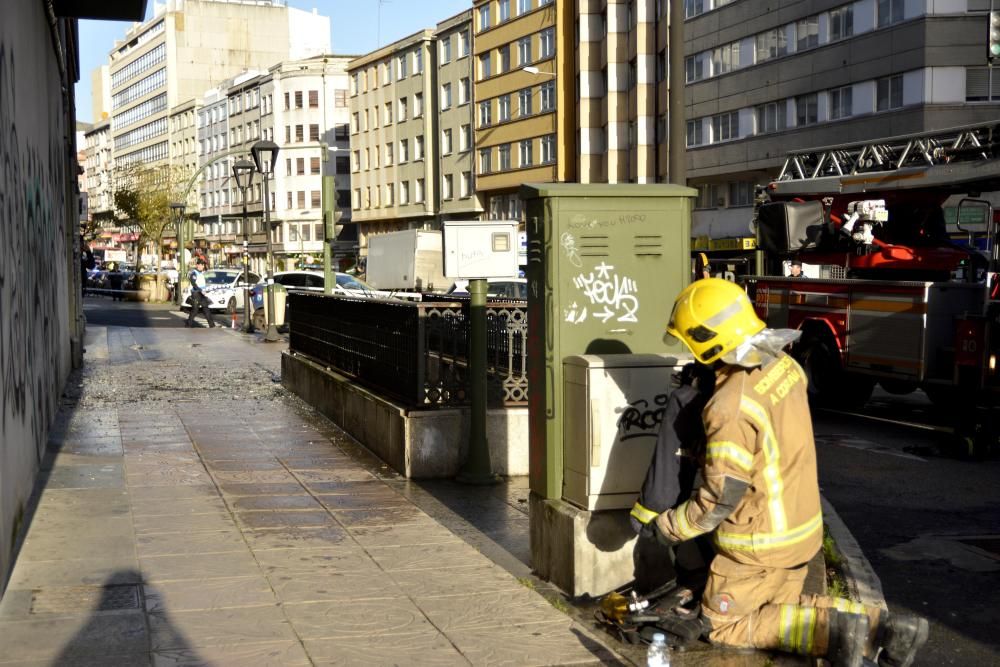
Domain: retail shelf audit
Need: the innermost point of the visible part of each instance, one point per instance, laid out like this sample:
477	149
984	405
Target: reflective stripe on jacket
759	432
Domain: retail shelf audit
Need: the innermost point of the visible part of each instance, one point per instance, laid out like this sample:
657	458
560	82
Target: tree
143	195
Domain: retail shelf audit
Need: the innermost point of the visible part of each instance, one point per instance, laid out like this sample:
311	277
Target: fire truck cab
903	299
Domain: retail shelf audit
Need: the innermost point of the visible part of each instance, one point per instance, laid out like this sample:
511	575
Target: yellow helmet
712	317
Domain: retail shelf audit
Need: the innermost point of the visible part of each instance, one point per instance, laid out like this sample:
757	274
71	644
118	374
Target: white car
224	289
503	288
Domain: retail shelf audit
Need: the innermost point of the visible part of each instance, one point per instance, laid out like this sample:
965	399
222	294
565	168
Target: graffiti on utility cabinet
605	295
642	418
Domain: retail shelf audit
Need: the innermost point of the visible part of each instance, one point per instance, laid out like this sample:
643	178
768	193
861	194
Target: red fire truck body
899	302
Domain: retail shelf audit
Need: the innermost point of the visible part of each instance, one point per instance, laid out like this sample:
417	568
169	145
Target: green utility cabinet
605	263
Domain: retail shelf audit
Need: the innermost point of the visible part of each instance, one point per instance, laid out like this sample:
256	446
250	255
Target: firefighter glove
651	531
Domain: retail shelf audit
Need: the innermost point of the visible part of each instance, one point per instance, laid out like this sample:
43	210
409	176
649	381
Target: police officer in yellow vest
761	496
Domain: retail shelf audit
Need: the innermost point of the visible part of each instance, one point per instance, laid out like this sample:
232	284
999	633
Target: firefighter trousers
752	606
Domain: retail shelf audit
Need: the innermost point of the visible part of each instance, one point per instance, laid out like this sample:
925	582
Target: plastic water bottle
658	654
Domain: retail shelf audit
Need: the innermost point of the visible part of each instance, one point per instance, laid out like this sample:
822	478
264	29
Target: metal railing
413	352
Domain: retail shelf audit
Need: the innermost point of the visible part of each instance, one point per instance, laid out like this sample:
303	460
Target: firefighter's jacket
761	492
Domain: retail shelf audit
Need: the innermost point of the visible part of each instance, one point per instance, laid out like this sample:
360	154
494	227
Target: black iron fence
413	352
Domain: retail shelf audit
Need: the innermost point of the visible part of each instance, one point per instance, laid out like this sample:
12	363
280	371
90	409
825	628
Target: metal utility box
614	408
480	249
407	260
605	263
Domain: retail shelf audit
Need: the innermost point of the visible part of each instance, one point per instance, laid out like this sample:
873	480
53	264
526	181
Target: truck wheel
822	367
898	387
943	398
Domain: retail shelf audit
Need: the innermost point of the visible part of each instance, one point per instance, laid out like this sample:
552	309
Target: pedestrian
116	282
198	298
761	496
670	479
87	263
796	269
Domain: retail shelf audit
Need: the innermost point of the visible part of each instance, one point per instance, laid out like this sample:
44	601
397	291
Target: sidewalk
190	512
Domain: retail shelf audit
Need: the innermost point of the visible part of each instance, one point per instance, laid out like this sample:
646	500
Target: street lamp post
178	209
264	155
243	173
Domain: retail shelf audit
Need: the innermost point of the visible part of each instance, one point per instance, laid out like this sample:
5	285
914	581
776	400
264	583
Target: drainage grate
988	543
85	599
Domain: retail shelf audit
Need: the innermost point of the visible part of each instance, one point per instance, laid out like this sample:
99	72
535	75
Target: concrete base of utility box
418	444
579	551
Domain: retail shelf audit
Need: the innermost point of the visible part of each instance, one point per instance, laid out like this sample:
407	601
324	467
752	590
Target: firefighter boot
848	635
901	636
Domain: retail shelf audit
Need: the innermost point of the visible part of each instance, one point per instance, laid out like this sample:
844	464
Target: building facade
456	120
764	81
393	137
187	47
98	169
523	55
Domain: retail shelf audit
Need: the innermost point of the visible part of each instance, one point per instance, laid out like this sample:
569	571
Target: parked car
501	288
309	281
224	289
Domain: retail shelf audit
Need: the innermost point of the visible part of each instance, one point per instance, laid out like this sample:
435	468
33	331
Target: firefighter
761	496
796	269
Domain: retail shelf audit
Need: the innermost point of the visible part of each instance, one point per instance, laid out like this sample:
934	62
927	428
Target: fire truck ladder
926	149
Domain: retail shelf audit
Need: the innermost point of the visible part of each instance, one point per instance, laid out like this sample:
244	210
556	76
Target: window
388	154
889	12
368	159
503	108
725	58
301	196
402	110
484	17
548	96
633	73
841	23
387	113
390	190
404	192
548	43
725	126
298	99
485	68
504	64
661	65
418	147
401	67
771	44
341	131
418	191
524	51
523	6
504	10
771	117
741	193
356	160
287	103
465	138
446	50
707	196
525	153
463	90
466	183
889	93
313	99
418	105
484	161
695	136
418	61
841	102
485	109
504	150
313	132
694	69
446	187
356	204
524	102
315	203
342	164
807	33
404	150
548	148
445	96
300	166
806	109
446	141
463	43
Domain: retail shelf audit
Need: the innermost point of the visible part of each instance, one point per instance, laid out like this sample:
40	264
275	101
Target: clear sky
354	25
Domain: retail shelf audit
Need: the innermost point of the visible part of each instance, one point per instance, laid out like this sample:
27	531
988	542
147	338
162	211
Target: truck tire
829	385
898	387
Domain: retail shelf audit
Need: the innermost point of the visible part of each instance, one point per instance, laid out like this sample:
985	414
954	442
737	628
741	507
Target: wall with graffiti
35	355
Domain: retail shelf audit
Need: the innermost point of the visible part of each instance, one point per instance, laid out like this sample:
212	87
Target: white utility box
481	249
612	408
406	260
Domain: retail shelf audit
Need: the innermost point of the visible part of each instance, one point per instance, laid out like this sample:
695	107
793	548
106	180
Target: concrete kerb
862	582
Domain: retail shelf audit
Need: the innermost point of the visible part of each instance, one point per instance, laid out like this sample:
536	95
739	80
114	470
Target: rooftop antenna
378	34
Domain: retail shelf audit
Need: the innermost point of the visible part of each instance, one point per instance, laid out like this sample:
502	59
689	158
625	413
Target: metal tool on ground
671	609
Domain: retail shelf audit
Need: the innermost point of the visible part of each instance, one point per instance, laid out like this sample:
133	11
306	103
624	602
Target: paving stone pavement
189	512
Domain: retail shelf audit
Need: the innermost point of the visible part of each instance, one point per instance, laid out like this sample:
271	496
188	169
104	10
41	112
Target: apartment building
456	119
765	80
98	168
187	47
393	136
524	70
183	123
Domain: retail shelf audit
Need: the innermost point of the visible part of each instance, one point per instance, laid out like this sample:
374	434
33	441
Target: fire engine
898	297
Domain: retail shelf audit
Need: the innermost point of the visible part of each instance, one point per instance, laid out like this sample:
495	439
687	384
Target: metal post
677	157
272	331
329	194
477	468
247	323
